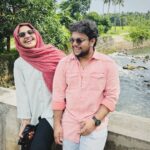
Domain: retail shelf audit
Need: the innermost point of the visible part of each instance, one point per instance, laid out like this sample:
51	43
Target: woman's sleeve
23	107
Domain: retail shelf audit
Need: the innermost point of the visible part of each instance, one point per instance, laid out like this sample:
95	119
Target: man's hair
87	27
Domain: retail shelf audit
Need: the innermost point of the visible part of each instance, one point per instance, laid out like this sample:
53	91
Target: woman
33	73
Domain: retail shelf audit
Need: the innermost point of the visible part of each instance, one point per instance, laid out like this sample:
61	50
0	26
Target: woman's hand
24	122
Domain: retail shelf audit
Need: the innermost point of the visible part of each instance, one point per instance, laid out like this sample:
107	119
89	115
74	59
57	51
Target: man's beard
82	54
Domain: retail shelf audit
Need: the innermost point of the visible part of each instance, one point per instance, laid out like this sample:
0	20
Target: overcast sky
129	6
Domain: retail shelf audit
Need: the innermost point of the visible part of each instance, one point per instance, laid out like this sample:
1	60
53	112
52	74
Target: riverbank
107	45
118	43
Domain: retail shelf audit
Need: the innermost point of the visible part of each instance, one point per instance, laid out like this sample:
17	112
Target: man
89	83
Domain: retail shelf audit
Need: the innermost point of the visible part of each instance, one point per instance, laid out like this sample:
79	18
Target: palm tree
115	3
106	2
121	4
109	2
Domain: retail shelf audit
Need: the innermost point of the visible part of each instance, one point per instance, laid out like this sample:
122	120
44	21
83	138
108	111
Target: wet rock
146	58
133	61
148	85
131	67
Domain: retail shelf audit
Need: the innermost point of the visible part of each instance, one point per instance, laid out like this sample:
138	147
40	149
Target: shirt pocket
72	80
97	81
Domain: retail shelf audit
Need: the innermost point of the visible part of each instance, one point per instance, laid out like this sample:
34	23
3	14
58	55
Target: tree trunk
8	43
108	8
1	44
103	8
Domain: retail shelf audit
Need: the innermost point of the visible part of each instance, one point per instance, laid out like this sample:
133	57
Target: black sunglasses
78	40
23	34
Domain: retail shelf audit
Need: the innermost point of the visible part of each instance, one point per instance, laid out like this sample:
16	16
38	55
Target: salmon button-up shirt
80	92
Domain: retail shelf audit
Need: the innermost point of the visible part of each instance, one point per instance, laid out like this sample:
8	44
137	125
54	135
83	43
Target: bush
6	68
139	35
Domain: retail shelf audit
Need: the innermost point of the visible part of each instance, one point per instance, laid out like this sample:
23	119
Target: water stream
135	84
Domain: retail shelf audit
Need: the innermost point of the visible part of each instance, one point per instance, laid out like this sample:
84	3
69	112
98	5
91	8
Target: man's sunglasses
23	34
78	40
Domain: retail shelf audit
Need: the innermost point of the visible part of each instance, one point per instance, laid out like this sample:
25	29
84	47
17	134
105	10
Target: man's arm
111	94
58	133
58	100
88	126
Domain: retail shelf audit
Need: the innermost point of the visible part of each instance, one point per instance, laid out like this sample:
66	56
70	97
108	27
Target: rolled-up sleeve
59	87
112	89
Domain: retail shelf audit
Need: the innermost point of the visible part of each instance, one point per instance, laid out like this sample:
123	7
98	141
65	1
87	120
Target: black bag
25	142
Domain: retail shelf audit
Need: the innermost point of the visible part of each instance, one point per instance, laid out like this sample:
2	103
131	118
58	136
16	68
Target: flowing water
135	84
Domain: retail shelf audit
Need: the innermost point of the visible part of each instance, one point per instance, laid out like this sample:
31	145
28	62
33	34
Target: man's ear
92	42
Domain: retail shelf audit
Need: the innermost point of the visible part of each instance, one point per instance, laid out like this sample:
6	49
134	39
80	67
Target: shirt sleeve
112	89
23	108
59	87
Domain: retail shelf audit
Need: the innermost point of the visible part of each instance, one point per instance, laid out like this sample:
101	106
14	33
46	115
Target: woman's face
27	37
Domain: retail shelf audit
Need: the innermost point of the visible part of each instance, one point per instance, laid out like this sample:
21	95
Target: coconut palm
107	2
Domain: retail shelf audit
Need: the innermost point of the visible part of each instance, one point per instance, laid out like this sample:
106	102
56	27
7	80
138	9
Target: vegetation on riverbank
118	31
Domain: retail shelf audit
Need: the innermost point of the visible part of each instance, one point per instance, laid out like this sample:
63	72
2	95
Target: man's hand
58	134
87	127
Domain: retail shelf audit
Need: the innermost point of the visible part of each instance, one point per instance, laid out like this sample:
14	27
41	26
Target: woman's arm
23	108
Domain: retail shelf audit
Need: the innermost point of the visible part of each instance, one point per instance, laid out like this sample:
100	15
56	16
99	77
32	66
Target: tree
103	23
8	19
76	8
139	35
115	3
107	2
43	18
121	4
94	16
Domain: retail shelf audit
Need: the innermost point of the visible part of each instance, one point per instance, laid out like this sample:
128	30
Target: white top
33	96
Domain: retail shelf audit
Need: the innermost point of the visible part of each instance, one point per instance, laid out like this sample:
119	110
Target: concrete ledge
126	132
130	125
8	96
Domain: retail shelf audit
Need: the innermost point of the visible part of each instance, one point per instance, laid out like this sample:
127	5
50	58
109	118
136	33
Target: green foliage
41	14
106	23
65	18
140	34
75	8
8	19
103	23
119	30
94	16
6	68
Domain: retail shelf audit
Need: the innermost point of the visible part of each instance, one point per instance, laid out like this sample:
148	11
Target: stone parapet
126	132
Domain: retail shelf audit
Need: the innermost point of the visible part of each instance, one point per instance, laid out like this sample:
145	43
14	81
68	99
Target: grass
12	43
119	30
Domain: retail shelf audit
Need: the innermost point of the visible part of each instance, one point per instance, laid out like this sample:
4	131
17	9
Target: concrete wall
9	127
126	132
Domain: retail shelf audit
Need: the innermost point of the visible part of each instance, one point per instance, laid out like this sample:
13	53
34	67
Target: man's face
81	44
27	37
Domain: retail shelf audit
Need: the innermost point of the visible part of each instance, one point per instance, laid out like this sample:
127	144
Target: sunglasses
78	40
23	34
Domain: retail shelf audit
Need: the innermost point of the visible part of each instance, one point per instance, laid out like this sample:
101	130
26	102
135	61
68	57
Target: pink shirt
84	90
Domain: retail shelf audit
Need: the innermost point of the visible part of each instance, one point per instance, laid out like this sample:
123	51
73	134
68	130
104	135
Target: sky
129	6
